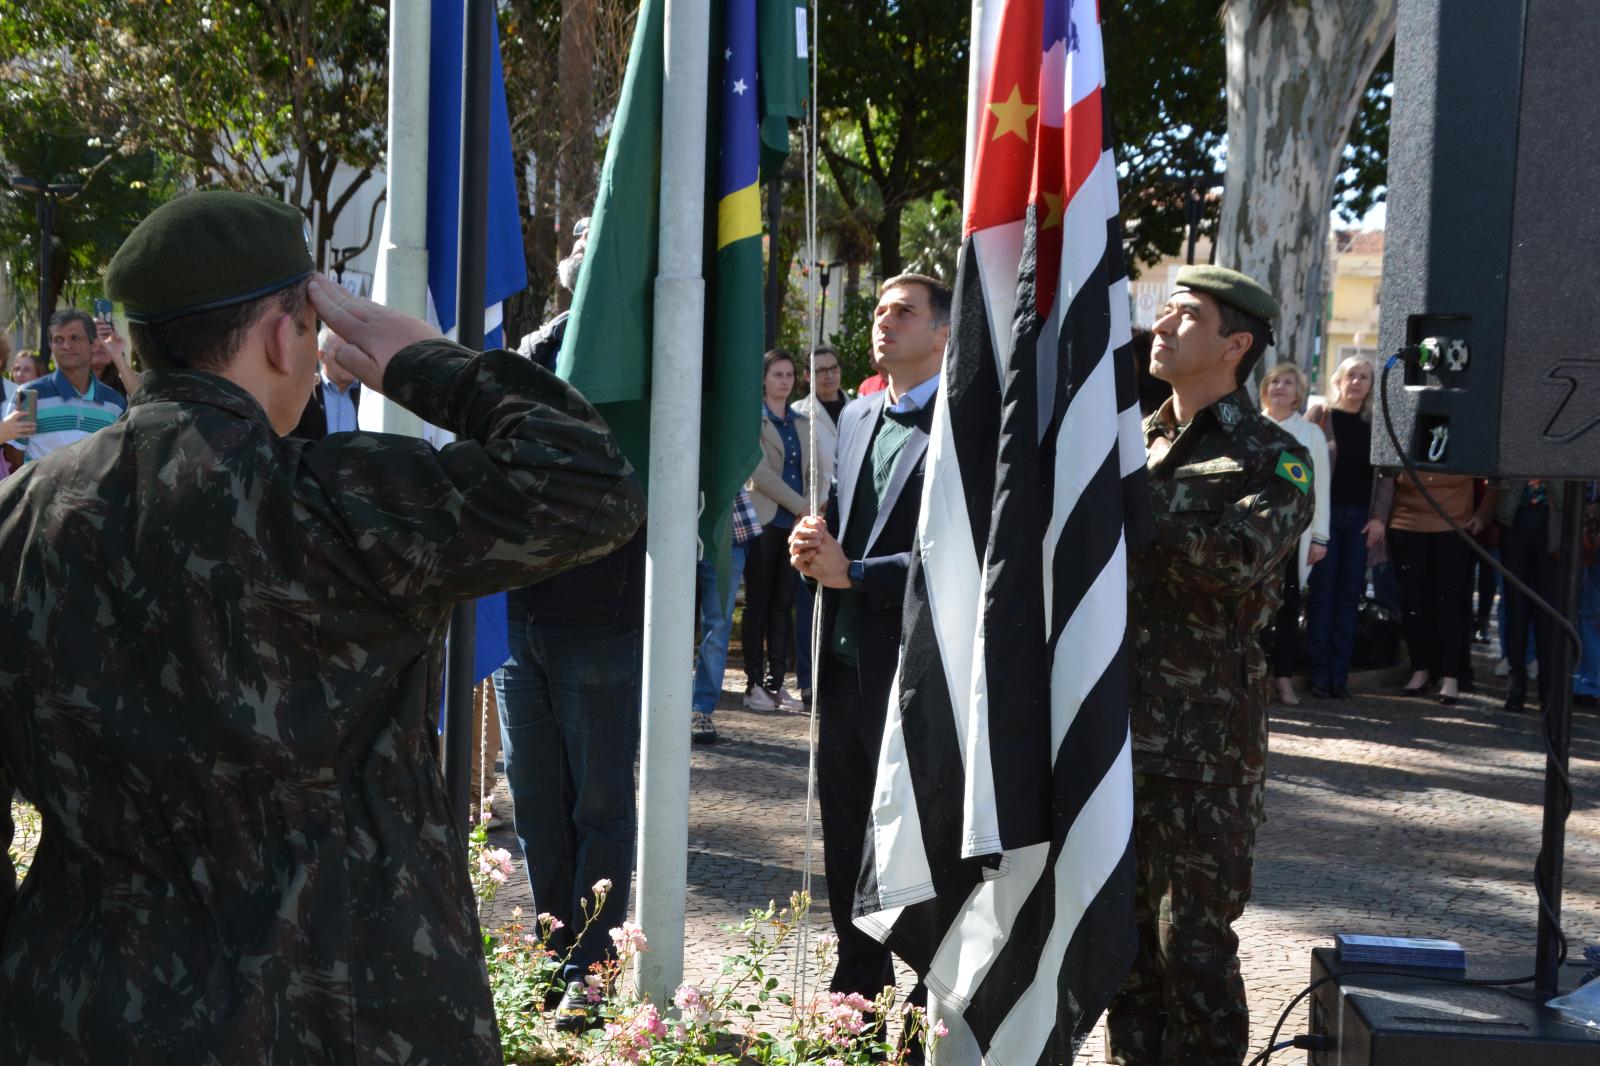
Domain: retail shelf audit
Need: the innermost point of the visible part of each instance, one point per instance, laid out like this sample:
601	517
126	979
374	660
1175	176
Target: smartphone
28	404
102	309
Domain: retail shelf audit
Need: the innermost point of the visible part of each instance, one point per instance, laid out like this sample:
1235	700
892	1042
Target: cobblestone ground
1385	815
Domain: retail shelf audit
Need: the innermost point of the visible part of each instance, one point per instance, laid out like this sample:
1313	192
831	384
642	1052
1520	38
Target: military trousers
1183	1004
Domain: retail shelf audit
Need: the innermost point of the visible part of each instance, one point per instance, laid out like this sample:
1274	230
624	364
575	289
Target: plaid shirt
746	527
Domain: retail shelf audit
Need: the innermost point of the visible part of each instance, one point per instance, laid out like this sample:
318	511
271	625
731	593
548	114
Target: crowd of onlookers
1377	550
1380	552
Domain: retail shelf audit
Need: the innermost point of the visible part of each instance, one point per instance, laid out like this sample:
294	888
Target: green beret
208	250
1230	287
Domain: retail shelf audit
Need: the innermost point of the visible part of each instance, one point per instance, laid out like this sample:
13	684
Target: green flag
606	351
785	50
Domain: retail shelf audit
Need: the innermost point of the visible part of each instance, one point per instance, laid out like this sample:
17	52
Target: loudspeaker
1400	1018
1492	255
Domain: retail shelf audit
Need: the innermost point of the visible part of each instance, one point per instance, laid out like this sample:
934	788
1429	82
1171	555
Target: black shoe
1321	692
1406	690
1449	701
1341	691
1589	702
572	1013
1516	694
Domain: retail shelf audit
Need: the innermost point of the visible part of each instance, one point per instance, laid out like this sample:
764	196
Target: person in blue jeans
569	734
569	723
716	621
1337	581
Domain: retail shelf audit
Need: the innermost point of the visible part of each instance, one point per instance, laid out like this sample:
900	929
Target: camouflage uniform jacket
1231	498
219	684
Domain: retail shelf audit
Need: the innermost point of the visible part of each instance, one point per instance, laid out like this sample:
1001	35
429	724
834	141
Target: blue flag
505	270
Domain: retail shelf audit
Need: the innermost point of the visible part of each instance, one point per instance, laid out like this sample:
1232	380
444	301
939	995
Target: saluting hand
375	333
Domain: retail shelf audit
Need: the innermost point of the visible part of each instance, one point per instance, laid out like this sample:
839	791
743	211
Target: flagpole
402	275
676	354
471	257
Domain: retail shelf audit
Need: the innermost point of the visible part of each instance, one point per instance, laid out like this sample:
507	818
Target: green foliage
892	82
853	339
1166	79
1363	185
930	236
730	1021
44	141
269	96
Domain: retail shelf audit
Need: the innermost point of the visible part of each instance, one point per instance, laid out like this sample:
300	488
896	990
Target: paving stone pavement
1385	815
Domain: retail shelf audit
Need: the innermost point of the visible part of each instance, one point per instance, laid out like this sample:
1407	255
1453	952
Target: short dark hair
825	349
70	315
1231	320
938	294
777	355
210	339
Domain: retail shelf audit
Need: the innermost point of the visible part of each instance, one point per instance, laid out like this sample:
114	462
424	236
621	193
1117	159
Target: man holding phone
69	404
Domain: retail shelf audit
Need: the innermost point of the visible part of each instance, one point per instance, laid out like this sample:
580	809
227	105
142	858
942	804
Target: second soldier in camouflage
1231	495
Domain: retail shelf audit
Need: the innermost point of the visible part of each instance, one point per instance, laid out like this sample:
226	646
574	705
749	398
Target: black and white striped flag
999	857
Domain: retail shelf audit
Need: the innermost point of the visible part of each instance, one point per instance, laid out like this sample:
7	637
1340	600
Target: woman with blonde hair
1336	583
1283	390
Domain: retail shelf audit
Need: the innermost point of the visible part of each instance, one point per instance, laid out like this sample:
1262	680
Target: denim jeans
1335	599
569	728
1586	677
716	626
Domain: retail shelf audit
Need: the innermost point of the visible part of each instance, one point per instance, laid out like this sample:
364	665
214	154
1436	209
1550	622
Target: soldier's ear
1237	347
285	340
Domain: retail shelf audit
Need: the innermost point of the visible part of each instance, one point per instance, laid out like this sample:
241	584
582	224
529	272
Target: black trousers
769	587
1434	571
1488	585
847	766
1525	550
1284	646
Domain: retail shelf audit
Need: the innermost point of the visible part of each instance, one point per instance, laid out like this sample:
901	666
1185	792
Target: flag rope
815	501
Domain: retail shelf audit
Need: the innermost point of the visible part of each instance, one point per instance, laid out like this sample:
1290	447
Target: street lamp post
822	313
45	212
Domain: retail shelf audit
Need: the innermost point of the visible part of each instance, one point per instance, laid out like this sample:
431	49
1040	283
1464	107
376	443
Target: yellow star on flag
1052	217
1013	115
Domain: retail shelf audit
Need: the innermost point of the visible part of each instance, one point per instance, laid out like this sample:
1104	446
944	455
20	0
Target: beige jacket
766	486
827	437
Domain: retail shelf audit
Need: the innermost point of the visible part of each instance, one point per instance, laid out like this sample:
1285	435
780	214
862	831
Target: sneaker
701	731
788	701
572	1012
758	699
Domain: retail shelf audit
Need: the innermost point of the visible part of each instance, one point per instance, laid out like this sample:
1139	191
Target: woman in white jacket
1283	390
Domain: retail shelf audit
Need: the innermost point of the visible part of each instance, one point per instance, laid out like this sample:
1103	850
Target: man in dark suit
883	441
335	398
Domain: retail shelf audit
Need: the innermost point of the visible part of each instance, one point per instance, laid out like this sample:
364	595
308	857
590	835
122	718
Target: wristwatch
858	573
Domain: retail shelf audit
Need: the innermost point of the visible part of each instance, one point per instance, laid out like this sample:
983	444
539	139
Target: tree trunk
888	233
575	155
1296	73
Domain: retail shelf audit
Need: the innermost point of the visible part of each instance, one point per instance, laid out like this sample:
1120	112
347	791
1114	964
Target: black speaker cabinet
1492	255
1401	1019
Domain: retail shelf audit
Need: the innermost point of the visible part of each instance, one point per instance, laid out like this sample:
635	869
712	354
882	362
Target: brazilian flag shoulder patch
1294	471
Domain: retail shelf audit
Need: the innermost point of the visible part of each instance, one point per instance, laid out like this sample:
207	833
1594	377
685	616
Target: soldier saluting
222	659
1231	495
